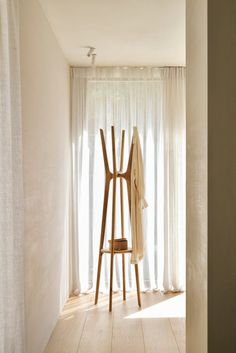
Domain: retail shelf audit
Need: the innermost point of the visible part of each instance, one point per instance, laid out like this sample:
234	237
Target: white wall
196	176
45	105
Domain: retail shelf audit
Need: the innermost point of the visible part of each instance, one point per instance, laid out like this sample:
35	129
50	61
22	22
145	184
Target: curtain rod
128	67
124	80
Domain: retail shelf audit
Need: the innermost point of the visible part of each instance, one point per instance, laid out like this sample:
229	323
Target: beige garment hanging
138	202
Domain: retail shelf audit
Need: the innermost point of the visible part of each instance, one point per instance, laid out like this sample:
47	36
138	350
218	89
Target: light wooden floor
158	327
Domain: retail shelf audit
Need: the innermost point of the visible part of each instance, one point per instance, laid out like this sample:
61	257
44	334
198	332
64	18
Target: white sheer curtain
153	99
11	193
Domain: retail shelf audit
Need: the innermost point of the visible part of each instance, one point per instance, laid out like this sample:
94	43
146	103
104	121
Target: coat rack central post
122	209
113	213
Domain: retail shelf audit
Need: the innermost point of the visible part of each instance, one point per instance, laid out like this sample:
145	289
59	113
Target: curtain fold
153	99
11	185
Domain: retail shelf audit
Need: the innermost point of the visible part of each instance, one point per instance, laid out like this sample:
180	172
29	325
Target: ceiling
124	32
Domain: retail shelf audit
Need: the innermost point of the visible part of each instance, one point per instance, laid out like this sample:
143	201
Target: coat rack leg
111	281
137	284
112	241
104	215
123	274
122	234
98	277
122	209
113	213
122	230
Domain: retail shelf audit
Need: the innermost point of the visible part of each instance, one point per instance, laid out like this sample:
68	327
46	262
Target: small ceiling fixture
91	50
92	54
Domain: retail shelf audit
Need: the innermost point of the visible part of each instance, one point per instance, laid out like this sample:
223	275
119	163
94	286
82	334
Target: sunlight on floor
170	308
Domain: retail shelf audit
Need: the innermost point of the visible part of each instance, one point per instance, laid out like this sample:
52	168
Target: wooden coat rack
108	177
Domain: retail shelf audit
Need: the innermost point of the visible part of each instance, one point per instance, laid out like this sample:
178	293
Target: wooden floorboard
178	327
97	333
127	333
68	331
158	336
86	328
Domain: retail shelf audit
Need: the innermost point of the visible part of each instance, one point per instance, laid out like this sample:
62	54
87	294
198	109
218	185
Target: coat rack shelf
116	175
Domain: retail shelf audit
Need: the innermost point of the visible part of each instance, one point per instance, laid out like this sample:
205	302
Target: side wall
196	176
222	176
46	152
